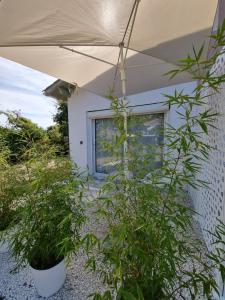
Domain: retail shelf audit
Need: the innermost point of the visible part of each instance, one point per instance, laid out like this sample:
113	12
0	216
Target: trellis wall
210	202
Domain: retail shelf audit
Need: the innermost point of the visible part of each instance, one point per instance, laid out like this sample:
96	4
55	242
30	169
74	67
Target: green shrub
148	251
52	213
20	134
10	183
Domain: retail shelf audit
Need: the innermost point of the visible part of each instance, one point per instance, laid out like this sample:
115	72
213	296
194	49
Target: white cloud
21	90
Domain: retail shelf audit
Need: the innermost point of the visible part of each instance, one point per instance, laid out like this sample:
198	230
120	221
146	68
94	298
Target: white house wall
83	102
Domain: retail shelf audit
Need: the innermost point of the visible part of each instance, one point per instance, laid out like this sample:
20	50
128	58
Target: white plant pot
48	282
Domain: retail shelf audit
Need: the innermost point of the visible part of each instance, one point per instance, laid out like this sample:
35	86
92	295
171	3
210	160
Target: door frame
91	116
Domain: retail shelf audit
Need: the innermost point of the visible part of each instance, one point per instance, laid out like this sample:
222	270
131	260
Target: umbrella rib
132	26
154	56
128	23
87	55
145	65
55	45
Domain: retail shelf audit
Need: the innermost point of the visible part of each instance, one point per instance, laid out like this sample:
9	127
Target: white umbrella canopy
78	40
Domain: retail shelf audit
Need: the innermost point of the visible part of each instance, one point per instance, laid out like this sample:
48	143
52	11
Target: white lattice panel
210	203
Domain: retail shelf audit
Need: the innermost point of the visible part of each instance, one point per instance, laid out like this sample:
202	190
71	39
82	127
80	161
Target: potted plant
51	217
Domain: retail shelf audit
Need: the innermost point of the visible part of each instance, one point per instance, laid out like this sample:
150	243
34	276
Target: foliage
148	251
10	183
59	133
61	118
52	213
19	135
55	138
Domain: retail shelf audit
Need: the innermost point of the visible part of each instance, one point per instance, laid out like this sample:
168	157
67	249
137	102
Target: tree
59	133
61	118
20	134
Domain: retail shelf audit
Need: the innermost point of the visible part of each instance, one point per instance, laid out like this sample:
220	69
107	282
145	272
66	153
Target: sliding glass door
146	130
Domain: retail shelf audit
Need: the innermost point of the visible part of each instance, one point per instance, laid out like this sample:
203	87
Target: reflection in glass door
105	161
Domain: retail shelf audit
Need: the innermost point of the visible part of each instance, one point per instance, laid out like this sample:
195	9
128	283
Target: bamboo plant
149	251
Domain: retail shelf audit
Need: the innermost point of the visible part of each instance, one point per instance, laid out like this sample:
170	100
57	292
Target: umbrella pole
124	112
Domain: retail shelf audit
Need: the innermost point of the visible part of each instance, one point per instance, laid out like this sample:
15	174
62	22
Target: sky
21	90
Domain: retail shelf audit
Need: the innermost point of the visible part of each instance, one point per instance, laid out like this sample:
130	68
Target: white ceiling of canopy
32	33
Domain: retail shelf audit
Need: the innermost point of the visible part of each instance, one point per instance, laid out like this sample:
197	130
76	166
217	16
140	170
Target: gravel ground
79	284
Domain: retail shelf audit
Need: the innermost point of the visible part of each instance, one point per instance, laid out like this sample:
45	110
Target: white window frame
107	113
